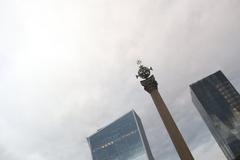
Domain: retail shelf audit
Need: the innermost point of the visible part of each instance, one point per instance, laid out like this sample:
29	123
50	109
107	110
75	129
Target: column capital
149	84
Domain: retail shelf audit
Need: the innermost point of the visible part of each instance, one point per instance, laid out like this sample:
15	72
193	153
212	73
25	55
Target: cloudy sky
67	68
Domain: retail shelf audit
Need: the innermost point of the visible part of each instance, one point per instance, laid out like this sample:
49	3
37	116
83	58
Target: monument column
150	85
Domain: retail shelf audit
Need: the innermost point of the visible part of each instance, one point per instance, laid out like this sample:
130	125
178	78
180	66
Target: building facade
123	139
218	102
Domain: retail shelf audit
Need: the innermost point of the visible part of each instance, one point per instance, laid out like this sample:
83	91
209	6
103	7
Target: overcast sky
67	68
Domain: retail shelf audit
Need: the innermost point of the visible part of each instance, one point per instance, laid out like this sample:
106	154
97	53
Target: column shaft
176	137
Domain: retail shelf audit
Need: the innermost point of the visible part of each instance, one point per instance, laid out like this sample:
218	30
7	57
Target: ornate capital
149	84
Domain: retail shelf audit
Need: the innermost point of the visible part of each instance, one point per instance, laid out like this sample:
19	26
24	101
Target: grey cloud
68	69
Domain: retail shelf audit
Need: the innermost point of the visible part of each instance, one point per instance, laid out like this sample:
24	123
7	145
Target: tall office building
123	139
218	102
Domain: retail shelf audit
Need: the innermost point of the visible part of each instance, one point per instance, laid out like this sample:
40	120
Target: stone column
150	85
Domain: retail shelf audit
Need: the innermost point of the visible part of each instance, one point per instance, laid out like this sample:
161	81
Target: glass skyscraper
218	102
123	139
